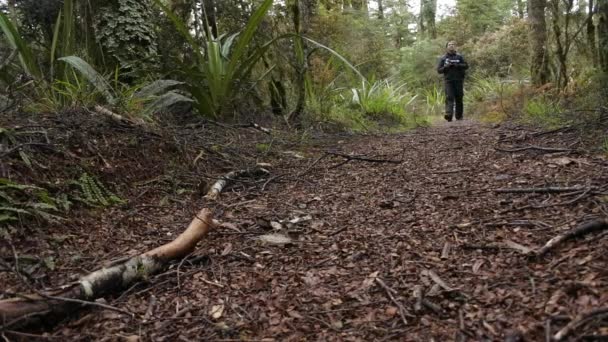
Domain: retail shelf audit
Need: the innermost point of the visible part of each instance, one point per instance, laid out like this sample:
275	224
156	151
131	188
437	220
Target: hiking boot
448	117
459	118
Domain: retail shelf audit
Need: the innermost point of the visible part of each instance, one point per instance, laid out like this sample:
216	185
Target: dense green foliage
355	61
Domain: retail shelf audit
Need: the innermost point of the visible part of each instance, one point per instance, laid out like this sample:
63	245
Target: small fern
95	193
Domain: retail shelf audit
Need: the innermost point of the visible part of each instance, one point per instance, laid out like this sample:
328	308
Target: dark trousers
453	98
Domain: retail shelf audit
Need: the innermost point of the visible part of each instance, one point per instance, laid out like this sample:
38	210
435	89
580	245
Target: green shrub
544	112
501	53
418	63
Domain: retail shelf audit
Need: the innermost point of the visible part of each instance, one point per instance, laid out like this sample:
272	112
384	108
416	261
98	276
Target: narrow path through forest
415	245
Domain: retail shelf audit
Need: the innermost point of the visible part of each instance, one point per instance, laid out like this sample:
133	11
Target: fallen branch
549	190
31	309
450	171
581	230
538	148
219	185
580	320
260	128
361	158
104	111
389	293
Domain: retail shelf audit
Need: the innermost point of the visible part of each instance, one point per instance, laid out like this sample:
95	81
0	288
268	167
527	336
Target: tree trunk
539	68
562	74
591	33
602	37
426	20
520	9
380	10
299	48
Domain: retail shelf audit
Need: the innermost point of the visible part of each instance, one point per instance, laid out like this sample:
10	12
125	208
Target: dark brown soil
362	225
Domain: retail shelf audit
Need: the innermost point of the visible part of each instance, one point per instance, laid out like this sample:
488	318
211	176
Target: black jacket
452	66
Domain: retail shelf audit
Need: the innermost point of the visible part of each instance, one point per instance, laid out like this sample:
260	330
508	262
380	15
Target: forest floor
415	243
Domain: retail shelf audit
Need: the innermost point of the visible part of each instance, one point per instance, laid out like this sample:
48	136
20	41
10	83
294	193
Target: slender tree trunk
421	23
302	11
431	13
591	43
562	38
426	20
538	42
520	9
210	14
602	35
380	10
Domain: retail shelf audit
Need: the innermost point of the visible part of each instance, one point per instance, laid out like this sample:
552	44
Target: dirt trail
370	233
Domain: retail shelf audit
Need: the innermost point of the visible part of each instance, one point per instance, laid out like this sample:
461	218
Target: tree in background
602	33
539	64
426	19
125	29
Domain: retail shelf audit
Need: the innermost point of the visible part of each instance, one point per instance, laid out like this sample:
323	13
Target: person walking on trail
452	65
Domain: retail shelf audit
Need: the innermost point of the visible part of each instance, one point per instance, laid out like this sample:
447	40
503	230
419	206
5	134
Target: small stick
439	281
450	171
388	290
360	158
417	293
539	148
445	253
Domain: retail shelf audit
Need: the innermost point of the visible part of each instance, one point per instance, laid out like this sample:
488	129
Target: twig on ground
538	190
538	148
450	171
361	158
389	293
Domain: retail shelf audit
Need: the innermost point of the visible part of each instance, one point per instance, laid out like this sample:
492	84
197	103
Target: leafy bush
418	64
220	69
543	111
382	97
434	100
126	30
501	53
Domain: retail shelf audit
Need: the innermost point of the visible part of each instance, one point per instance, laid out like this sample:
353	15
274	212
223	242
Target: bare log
31	309
581	230
219	185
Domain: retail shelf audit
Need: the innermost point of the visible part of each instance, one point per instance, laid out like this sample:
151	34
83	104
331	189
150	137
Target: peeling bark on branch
219	185
32	309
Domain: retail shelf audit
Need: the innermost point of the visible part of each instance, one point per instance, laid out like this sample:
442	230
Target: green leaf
92	76
26	57
165	101
156	88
